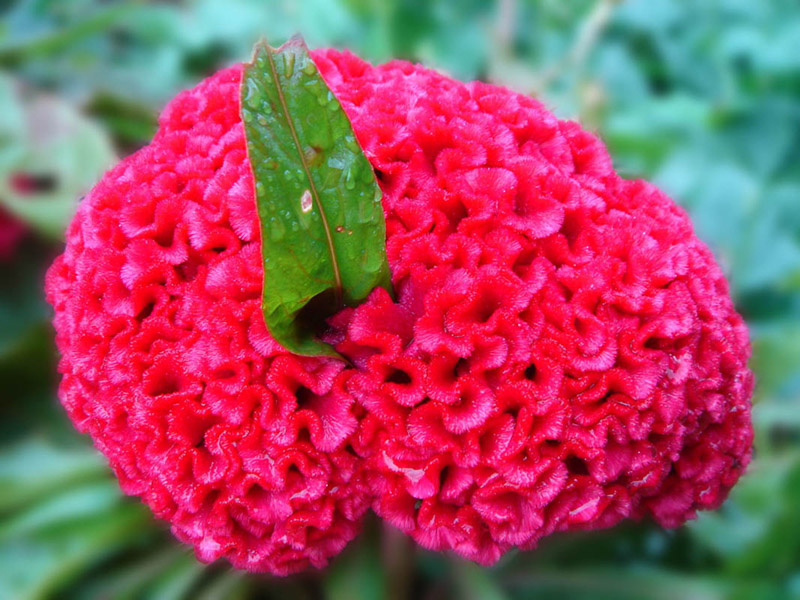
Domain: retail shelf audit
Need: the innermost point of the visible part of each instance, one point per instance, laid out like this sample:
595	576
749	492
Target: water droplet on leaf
306	202
349	181
288	63
277	229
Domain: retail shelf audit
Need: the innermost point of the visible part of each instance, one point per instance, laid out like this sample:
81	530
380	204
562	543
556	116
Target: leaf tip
296	39
260	45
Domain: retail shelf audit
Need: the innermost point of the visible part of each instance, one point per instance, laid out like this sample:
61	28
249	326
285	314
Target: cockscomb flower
561	351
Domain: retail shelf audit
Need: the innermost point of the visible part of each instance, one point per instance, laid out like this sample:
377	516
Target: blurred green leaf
231	586
49	157
33	469
476	583
21	304
62	507
38	566
704	98
358	574
177	580
21	42
129	580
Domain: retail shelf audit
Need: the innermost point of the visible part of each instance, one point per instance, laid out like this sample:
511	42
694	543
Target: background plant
702	97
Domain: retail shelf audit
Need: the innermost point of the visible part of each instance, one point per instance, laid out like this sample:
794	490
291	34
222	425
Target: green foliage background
701	96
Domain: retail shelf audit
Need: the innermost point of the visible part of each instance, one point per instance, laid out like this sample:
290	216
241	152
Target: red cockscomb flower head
562	352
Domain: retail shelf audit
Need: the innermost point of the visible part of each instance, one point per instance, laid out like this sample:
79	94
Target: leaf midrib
337	276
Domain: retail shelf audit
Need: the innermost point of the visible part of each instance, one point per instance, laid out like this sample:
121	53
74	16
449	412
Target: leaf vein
312	187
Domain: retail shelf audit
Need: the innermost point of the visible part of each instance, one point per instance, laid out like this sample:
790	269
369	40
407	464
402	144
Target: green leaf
21	304
322	227
12	48
40	566
476	583
231	585
35	468
359	574
49	140
175	582
128	579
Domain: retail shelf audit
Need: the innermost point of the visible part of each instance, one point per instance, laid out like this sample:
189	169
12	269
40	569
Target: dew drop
277	229
335	162
288	63
305	202
351	143
313	156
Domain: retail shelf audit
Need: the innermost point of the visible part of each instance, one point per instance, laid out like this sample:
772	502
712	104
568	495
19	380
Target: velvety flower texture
563	352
